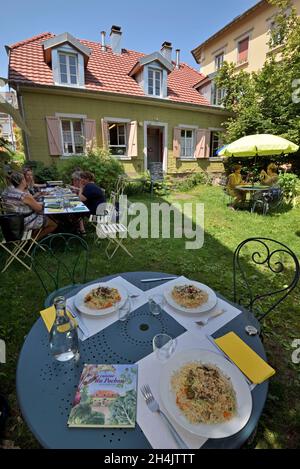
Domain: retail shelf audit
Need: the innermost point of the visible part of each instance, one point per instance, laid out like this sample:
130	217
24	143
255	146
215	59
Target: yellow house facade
244	42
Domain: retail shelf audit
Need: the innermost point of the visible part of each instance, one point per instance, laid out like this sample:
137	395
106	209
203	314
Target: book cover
106	397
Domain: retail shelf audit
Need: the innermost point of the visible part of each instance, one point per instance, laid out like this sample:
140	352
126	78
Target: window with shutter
243	47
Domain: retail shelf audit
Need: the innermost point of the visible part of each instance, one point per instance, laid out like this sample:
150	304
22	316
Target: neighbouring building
7	129
145	108
245	41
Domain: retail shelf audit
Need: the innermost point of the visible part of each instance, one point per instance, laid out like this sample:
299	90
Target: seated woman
235	179
18	200
89	193
269	178
33	188
75	178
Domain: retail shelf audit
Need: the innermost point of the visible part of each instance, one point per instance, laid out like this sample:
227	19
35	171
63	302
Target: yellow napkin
48	316
251	364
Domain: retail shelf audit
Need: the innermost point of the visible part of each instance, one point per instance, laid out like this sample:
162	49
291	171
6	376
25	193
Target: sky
145	25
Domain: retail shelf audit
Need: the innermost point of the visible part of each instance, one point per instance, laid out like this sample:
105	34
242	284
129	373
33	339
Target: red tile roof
105	71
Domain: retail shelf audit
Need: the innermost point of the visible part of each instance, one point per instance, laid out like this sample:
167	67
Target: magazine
106	397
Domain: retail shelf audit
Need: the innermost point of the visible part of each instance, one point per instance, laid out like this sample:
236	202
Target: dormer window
68	66
154	82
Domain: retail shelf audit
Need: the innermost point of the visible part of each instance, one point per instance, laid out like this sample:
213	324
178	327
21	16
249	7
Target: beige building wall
255	25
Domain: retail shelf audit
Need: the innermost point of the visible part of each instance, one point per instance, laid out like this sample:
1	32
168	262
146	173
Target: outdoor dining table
46	388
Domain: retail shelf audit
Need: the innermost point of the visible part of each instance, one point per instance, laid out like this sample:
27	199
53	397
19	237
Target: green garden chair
60	263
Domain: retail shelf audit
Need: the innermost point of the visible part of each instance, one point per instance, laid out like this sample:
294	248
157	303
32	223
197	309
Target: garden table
46	388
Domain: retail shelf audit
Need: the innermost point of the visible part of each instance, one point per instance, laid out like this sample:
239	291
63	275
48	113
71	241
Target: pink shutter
176	142
89	133
243	50
54	136
202	143
132	149
105	134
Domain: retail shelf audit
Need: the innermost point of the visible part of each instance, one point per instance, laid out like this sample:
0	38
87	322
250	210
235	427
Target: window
187	144
154	82
219	60
117	139
217	95
216	143
277	34
243	47
72	136
68	69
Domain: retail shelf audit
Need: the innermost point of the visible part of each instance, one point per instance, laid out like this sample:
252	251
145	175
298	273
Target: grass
22	298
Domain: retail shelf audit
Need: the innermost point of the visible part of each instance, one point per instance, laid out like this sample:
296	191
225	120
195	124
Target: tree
264	101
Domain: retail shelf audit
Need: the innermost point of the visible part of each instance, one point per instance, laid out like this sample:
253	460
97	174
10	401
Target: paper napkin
48	316
248	361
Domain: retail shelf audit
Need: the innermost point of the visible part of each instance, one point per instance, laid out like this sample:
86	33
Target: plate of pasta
100	299
190	297
205	393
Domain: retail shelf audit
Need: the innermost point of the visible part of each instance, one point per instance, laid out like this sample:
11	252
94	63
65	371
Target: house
6	122
74	94
245	41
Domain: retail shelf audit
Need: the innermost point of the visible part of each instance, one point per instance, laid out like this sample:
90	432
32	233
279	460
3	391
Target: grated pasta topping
102	297
189	296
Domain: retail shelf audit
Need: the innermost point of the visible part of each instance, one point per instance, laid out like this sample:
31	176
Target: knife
80	324
157	279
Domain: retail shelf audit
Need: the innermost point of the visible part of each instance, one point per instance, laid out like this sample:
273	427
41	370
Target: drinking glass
156	304
124	310
163	346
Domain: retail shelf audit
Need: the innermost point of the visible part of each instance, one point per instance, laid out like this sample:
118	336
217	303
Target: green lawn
22	298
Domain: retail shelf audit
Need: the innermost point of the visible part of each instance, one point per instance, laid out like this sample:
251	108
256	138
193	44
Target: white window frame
214	94
68	55
220	54
215	130
193	130
155	70
71	117
125	139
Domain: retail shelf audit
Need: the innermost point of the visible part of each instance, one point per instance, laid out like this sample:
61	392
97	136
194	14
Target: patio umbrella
259	145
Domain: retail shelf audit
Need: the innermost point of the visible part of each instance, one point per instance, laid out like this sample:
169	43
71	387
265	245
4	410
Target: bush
105	168
43	173
290	184
192	181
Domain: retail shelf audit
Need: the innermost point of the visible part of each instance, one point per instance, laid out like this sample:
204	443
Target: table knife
146	280
81	326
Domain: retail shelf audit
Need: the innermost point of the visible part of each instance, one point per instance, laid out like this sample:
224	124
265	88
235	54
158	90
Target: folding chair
114	232
17	245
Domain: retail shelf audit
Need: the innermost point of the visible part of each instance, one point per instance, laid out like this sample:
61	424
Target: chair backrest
12	226
59	260
265	272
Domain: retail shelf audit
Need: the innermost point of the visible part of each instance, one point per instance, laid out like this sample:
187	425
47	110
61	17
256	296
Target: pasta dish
189	296
102	297
203	393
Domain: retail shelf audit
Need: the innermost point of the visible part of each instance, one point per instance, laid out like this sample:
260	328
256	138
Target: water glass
124	310
163	346
156	304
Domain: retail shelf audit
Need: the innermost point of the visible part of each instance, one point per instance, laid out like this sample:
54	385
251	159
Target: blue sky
145	25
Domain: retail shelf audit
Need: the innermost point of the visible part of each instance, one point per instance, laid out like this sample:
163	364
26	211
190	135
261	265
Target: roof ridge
31	39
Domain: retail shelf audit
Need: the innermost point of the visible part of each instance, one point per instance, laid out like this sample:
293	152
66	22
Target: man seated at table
89	193
17	199
235	179
269	178
75	178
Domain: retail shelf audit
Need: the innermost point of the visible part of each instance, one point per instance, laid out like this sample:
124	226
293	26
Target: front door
154	146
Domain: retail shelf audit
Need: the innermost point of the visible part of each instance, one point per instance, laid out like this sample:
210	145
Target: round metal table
46	388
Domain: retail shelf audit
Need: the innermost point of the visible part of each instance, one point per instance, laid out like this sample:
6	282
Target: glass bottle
63	338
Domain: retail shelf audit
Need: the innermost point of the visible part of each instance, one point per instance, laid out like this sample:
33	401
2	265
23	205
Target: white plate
242	390
211	302
82	308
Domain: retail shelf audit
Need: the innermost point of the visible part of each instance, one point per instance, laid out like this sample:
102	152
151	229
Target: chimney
115	39
103	46
177	58
166	51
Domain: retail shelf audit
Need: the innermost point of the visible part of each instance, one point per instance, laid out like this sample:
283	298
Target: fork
214	315
154	407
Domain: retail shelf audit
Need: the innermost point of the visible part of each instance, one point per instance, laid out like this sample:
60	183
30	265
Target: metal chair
60	259
255	260
267	200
